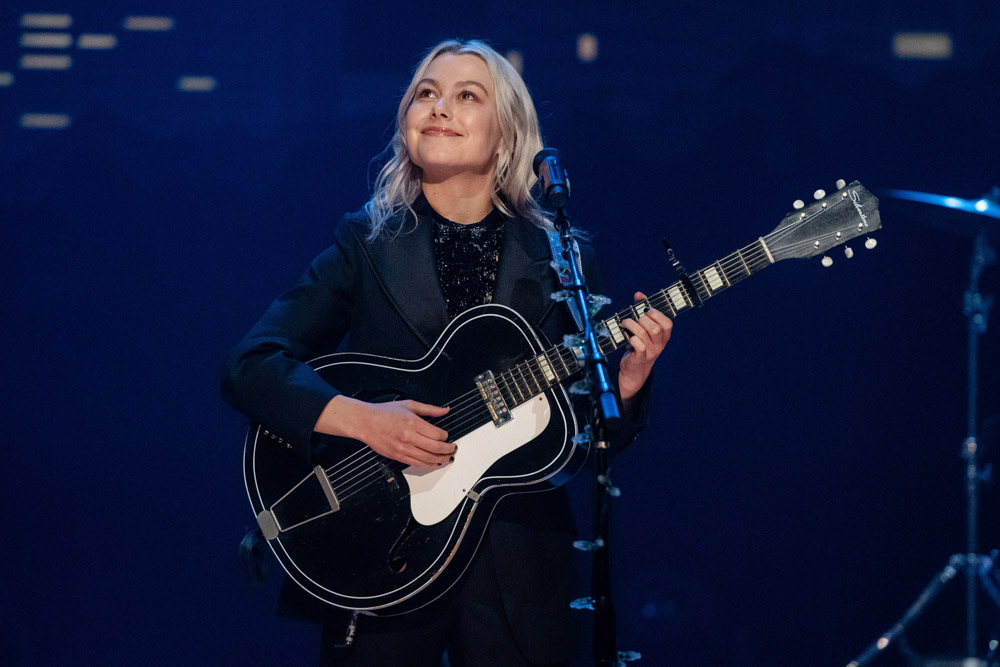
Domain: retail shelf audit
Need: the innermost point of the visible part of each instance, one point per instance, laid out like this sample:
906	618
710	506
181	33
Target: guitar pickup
490	394
310	499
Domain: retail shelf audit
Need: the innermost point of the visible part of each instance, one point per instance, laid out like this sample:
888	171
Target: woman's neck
463	200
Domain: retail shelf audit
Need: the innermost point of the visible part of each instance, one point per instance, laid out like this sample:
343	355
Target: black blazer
383	297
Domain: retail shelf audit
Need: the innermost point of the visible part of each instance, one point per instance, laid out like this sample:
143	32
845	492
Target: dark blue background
801	480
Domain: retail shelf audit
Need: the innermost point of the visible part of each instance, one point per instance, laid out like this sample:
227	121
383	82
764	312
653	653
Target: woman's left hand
649	336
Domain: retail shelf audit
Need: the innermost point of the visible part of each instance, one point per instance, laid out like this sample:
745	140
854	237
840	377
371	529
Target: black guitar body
343	525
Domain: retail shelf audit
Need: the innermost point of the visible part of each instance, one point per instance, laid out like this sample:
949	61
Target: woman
452	224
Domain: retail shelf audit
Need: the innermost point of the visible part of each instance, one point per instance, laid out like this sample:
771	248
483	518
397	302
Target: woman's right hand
396	430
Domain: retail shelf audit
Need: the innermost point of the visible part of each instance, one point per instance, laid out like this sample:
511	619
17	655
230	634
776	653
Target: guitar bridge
490	394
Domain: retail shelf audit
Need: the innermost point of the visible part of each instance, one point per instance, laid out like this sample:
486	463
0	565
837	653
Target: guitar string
366	464
533	364
456	430
369	475
459	417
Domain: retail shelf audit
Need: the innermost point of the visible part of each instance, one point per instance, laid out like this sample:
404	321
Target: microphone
555	181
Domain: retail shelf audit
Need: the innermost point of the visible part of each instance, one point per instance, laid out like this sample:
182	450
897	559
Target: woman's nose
440	108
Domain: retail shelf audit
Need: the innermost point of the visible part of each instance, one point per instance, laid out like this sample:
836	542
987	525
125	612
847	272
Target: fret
671	300
705	291
546	369
527	385
517	385
559	356
618	335
565	372
723	274
510	395
534	378
739	256
668	309
677	297
606	344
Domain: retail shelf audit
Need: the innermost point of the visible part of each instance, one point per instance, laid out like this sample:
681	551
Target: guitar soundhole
396	562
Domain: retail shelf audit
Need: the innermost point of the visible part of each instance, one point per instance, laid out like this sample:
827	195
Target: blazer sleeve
266	376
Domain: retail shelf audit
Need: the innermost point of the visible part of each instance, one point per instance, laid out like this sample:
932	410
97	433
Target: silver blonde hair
399	182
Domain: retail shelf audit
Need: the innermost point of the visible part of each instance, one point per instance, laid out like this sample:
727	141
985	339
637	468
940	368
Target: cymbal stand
979	569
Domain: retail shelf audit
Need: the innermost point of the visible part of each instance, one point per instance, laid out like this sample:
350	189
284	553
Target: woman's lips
439	132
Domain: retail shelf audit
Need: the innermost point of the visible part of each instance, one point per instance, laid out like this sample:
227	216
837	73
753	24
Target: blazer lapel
406	268
525	281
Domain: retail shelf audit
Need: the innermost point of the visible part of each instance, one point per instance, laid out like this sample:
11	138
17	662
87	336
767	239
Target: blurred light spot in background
922	45
952	202
586	47
45	121
198	84
58	21
46	40
516	59
149	23
95	41
46	62
6	79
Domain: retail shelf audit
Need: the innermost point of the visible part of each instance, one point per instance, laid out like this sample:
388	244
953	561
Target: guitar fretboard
678	297
536	374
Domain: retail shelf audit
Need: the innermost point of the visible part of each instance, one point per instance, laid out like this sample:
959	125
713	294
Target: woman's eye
426	92
466	95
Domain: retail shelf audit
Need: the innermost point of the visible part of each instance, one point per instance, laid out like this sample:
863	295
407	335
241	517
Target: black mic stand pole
605	413
976	309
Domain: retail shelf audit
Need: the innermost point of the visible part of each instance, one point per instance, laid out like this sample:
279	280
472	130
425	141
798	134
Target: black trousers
469	622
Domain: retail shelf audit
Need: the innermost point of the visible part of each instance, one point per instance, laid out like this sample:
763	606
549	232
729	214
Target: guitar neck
533	376
683	295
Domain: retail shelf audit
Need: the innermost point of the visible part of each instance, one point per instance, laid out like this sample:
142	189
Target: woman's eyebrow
459	84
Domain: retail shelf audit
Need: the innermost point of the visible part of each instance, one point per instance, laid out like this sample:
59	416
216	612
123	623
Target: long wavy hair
398	183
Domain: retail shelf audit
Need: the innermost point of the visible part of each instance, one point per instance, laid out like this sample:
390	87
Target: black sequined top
467	258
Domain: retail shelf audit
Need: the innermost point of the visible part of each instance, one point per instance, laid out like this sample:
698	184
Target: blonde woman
452	224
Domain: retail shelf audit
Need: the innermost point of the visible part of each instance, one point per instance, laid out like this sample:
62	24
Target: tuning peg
870	243
841	183
819	194
827	261
797	204
848	252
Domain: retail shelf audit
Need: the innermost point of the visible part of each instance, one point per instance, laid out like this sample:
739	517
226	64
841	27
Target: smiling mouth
439	132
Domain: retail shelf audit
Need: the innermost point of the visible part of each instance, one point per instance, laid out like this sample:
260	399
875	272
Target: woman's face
452	125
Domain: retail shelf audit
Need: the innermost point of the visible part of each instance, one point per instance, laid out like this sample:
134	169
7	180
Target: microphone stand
604	414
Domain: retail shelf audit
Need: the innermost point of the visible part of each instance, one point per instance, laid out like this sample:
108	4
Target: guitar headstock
831	220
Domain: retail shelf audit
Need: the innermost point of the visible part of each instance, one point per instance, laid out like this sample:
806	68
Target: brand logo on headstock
856	199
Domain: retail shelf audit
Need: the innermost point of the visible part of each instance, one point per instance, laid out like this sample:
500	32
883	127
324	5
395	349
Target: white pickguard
436	492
